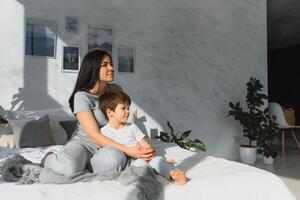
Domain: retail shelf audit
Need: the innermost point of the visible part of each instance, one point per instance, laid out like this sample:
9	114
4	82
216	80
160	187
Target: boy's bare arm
143	143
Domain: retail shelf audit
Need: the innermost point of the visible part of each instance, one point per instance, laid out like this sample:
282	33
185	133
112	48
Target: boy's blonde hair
110	100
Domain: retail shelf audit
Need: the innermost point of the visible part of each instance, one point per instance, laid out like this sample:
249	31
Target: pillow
69	126
59	134
8	141
55	115
32	132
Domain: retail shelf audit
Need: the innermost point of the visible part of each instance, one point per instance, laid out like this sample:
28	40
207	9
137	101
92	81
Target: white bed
211	178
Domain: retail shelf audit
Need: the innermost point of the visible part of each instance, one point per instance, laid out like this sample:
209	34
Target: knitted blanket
16	168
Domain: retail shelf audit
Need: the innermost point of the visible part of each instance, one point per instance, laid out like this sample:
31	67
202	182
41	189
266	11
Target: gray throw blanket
16	168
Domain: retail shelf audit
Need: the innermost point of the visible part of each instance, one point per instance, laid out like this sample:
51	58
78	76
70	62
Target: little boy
115	106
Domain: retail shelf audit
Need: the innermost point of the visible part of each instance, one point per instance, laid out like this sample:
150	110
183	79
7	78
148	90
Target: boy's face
120	114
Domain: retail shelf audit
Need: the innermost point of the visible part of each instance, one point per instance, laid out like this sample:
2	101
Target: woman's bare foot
178	176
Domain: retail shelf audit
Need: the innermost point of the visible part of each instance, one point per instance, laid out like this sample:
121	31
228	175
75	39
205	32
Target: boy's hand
149	149
140	152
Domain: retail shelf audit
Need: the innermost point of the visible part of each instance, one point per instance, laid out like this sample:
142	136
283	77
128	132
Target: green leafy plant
181	139
264	140
257	125
3	120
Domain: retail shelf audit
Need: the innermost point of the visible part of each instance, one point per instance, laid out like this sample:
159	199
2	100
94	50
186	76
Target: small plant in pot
181	139
255	120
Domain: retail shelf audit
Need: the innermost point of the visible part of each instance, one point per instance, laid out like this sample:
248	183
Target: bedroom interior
181	62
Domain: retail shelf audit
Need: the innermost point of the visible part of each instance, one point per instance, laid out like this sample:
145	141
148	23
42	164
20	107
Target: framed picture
72	24
126	59
101	38
40	38
71	58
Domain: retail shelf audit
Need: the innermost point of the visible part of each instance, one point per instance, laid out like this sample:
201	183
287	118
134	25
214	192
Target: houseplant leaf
182	141
185	134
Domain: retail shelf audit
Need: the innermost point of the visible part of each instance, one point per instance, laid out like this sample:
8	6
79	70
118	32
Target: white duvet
210	178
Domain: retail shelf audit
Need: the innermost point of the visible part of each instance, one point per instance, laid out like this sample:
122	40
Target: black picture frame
70	58
40	38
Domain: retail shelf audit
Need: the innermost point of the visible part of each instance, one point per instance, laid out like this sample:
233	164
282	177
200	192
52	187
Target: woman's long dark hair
89	73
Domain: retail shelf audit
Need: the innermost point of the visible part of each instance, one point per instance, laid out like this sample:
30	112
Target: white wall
192	58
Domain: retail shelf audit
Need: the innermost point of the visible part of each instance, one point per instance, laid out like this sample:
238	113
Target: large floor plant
256	123
265	140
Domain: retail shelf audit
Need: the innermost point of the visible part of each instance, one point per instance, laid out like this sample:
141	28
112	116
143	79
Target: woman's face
106	73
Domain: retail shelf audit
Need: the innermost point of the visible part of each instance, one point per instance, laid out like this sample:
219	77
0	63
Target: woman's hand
140	152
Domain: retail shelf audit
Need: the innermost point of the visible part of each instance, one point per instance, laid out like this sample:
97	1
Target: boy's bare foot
171	161
178	176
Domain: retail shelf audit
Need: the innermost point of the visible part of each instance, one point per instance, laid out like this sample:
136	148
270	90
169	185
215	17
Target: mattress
209	178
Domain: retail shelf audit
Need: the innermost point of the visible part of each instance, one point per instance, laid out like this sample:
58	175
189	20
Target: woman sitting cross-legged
88	146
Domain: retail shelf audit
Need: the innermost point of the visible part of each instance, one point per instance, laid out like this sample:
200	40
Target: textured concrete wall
192	58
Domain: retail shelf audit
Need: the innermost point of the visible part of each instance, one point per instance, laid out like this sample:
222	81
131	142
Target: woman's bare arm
90	126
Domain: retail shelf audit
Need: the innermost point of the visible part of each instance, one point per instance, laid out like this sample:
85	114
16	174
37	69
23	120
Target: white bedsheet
210	179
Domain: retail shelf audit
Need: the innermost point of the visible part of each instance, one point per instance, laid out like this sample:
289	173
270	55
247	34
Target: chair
276	110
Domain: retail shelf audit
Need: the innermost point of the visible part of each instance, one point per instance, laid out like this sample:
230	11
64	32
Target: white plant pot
268	161
248	155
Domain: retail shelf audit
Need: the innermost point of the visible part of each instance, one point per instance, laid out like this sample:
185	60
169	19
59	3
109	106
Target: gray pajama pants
77	153
158	163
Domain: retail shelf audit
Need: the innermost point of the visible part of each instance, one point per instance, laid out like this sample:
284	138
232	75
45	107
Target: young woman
88	145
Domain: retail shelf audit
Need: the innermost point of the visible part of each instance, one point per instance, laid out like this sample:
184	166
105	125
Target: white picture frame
71	57
101	37
126	59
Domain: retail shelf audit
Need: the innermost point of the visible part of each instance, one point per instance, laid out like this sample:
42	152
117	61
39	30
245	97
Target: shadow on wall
17	102
34	94
140	122
27	100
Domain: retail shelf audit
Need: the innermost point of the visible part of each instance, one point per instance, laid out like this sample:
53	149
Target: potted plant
181	139
266	138
256	122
